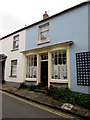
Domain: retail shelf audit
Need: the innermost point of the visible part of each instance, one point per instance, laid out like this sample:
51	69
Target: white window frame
31	69
57	66
13	68
16	42
42	29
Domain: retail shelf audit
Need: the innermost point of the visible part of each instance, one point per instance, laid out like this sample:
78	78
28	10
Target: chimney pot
45	15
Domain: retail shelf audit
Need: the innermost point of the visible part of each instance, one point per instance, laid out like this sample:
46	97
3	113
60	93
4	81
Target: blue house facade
55	48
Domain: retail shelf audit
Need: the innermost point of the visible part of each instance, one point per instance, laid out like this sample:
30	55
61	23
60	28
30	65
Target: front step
40	89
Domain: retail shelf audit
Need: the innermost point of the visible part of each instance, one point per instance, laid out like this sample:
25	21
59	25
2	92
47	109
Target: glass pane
44	28
52	55
31	60
35	72
17	44
64	72
35	63
44	35
55	55
64	60
31	66
16	38
60	61
59	71
13	70
35	57
44	57
55	61
14	44
14	62
64	54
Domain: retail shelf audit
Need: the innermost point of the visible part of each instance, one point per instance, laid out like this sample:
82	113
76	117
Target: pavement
41	98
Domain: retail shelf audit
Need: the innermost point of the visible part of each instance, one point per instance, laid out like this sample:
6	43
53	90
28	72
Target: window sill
59	81
14	49
31	79
43	41
13	76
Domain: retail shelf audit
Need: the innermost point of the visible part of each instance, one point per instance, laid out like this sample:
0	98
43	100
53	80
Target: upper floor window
16	42
44	33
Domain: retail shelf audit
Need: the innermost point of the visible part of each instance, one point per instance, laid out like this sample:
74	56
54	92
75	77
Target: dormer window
16	42
43	33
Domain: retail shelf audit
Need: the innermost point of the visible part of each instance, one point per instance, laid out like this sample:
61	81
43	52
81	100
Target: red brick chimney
45	15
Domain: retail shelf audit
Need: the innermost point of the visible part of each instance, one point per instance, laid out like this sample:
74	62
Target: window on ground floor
31	70
13	67
59	65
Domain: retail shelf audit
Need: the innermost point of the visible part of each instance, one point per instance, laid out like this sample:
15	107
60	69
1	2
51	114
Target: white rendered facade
12	54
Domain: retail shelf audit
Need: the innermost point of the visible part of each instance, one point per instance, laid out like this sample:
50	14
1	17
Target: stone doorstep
65	107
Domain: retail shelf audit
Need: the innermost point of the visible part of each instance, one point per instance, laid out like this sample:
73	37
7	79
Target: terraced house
12	59
57	50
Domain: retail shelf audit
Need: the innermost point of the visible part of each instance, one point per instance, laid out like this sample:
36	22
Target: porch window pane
59	65
31	69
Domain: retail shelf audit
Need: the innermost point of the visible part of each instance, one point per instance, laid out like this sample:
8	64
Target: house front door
44	73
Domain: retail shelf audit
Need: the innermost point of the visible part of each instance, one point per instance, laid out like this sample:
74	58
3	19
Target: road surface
14	107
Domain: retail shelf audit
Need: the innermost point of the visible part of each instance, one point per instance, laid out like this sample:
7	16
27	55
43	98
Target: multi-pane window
13	67
31	70
44	32
59	65
16	42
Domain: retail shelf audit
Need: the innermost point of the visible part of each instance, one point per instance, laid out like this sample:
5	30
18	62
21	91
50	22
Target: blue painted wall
72	25
80	45
89	27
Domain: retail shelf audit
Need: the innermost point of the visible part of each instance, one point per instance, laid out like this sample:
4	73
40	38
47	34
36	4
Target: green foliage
50	91
3	81
37	90
22	86
67	96
31	87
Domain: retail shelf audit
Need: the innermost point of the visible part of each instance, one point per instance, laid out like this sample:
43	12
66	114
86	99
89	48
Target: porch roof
3	57
66	43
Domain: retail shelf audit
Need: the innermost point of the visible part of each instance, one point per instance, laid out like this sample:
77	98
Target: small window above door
44	57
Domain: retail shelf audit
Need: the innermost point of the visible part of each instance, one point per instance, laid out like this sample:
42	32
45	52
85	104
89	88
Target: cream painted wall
7	46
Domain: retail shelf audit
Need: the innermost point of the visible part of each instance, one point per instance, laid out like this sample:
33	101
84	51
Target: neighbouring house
57	50
11	58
